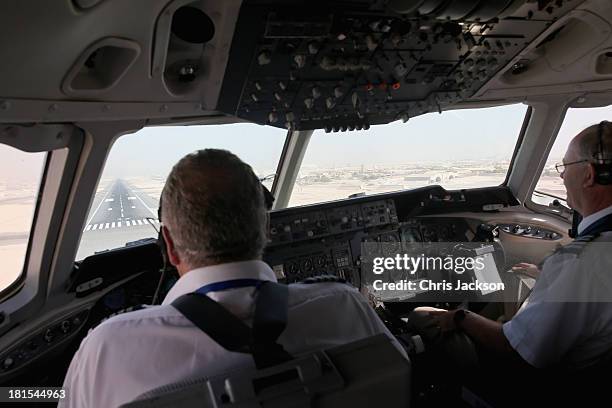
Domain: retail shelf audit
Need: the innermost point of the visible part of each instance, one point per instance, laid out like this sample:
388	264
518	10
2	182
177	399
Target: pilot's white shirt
567	318
135	352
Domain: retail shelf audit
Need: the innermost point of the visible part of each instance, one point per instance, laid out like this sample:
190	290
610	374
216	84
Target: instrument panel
329	241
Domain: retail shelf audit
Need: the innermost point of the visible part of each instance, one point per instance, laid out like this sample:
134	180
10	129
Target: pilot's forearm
486	332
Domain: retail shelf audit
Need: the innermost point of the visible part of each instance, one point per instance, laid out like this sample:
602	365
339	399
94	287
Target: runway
121	207
119	214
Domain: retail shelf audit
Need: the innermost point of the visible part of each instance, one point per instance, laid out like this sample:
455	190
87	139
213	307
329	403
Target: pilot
214	226
566	321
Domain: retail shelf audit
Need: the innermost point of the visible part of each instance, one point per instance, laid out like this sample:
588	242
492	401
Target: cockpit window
550	185
456	149
20	177
125	205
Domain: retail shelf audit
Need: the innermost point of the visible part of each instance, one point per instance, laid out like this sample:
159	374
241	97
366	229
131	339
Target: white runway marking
119	224
108	200
98	207
110	209
133	206
131	198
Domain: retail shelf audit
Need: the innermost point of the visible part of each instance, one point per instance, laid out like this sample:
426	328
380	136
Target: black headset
602	164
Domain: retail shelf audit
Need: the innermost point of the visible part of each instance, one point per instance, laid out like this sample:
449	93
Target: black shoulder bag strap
270	320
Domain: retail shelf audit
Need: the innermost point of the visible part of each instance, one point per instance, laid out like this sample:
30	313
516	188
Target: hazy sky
153	151
576	119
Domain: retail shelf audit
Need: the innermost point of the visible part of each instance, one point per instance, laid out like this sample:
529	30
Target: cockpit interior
373	123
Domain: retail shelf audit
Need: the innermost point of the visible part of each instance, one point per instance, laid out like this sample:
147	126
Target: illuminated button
310	233
282	85
287	228
254	97
278	96
258	86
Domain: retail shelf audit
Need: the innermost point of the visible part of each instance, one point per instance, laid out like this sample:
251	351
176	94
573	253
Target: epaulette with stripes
577	245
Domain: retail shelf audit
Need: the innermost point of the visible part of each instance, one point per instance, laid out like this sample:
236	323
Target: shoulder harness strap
270	320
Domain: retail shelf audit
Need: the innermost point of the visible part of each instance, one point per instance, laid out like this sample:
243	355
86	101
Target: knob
338	92
65	326
272	117
316	92
264	58
49	336
300	60
309	102
313	47
7	363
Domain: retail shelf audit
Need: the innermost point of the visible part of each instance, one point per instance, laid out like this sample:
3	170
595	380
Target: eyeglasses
561	166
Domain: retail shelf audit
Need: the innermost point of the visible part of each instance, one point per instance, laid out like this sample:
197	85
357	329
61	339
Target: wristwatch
459	317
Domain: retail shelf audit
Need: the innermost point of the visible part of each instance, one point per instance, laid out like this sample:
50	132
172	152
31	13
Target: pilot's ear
173	256
589	175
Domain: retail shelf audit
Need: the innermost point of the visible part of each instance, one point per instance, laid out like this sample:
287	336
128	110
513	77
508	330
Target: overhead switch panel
350	64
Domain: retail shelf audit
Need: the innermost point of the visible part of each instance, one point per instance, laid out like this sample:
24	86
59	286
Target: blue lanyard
228	284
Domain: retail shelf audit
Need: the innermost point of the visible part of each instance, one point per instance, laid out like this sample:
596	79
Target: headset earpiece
602	164
161	242
268	198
